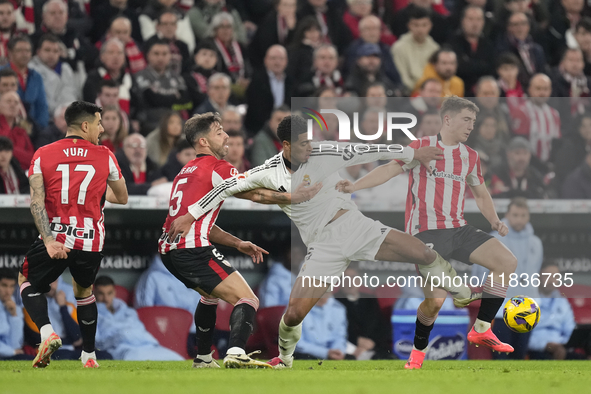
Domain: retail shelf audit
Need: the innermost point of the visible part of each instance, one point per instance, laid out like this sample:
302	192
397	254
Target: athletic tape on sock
209	301
254	302
426	320
86	301
24	286
494	288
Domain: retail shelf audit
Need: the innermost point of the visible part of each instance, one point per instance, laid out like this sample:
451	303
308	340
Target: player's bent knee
432	306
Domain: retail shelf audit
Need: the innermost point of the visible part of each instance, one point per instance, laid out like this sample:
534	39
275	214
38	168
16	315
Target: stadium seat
170	326
268	323
579	299
123	294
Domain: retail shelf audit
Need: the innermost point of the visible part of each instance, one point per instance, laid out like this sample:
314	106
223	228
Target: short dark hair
158	41
104	281
200	125
434	58
291	126
236	133
7	273
167	11
208	45
519	202
47	37
5	144
182	144
454	105
81	111
373	85
8	72
566	50
281	108
416	12
508	58
109	83
428	80
584	23
20	37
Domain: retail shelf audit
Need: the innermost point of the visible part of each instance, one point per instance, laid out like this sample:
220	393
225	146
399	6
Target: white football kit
331	246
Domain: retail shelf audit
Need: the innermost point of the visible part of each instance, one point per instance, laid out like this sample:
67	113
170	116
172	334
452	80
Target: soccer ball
521	314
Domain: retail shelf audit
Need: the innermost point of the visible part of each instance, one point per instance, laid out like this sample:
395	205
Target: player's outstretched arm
303	192
217	235
375	177
56	250
487	207
117	192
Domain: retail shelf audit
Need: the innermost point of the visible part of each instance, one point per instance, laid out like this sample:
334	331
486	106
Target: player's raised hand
501	228
345	186
254	251
304	192
57	250
427	154
180	226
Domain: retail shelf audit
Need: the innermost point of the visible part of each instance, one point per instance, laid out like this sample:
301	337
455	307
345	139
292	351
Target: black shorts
204	267
41	270
455	243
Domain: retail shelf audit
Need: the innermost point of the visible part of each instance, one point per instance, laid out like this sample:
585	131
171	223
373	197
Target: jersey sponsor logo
72	231
442	174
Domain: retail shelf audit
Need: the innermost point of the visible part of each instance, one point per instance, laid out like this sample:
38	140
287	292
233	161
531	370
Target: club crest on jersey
464	160
307	180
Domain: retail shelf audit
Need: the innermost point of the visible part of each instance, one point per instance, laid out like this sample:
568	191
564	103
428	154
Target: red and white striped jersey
194	181
436	201
540	124
75	174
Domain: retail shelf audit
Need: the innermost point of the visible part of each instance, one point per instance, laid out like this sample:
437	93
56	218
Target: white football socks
288	339
45	332
205	357
481	326
87	356
235	350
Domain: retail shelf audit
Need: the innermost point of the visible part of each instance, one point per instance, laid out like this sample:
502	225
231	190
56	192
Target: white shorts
352	237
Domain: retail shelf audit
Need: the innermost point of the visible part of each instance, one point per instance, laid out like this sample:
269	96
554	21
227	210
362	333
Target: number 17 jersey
197	178
75	174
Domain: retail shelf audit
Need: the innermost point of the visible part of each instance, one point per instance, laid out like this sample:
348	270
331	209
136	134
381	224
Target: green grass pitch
359	377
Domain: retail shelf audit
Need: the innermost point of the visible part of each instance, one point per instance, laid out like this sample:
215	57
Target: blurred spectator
11	319
278	27
306	39
115	129
231	54
22	147
474	51
162	140
487	98
330	16
56	130
429	124
30	86
517	40
369	28
572	85
359	9
508	70
440	28
557	321
160	89
218	93
486	141
206	59
75	48
166	29
270	88
583	41
535	120
442	66
324	332
12	177
177	159
412	50
59	82
105	11
139	171
9	83
578	184
121	332
324	73
176	29
573	149
564	16
368	69
231	119
112	67
428	99
235	154
516	178
365	332
276	287
529	251
266	143
121	28
375	95
202	13
536	12
7	28
457	13
108	96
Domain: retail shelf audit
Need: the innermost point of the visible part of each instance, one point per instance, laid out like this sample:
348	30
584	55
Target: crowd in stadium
151	64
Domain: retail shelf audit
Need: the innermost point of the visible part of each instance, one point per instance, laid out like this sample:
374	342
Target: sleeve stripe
216	191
